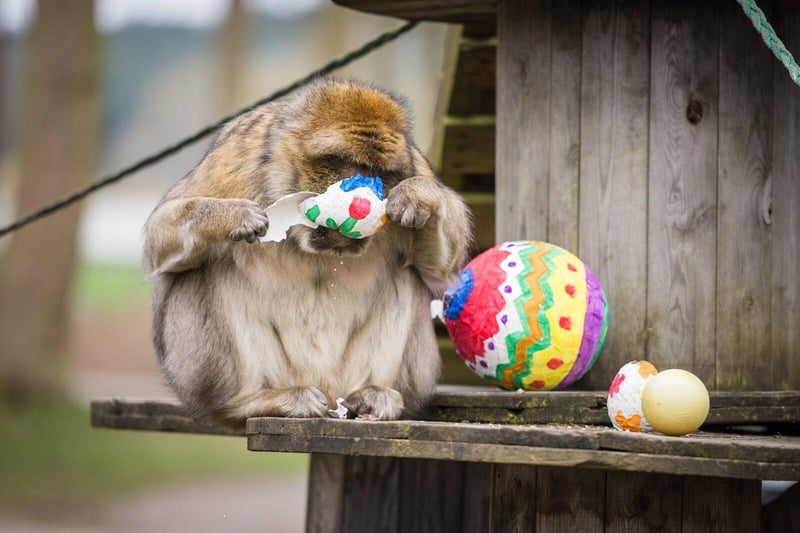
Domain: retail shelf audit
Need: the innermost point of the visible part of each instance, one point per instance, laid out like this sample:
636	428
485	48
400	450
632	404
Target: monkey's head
345	128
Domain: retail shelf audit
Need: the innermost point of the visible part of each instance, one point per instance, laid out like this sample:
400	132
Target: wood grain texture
431	495
474	84
682	229
613	163
570	499
717	505
370	495
523	119
476	498
744	240
507	454
565	123
785	214
513	502
325	493
642	503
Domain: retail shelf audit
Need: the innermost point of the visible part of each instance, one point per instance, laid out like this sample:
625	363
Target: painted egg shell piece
354	206
624	400
527	315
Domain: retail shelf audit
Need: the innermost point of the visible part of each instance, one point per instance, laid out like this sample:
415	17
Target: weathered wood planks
784	210
681	277
613	163
744	272
478	404
546	445
658	141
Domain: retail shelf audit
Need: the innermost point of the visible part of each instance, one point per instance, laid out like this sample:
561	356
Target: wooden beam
438	10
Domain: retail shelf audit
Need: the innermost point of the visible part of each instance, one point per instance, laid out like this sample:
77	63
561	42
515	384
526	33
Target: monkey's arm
441	223
182	232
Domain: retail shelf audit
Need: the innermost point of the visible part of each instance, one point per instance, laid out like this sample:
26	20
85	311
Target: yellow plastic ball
675	402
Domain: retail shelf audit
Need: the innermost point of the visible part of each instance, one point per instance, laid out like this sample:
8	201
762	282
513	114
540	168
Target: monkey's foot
295	402
374	403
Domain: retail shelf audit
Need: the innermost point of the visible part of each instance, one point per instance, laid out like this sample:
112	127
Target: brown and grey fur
245	329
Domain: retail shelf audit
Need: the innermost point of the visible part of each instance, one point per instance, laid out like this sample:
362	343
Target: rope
338	63
770	38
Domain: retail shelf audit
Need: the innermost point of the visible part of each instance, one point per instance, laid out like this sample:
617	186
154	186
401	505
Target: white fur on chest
337	323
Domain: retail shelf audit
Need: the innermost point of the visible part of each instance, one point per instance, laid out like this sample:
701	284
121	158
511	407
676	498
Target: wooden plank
440	10
642	503
325	493
546	436
777	449
508	454
474	84
720	505
523	119
451	52
151	415
430	495
565	124
476	497
744	272
449	396
370	497
613	184
785	214
570	499
522	416
468	150
681	242
513	503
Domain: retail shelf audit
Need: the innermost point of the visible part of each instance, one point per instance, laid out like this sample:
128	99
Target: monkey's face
349	130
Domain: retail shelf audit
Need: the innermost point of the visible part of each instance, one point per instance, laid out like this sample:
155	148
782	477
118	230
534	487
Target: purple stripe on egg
592	331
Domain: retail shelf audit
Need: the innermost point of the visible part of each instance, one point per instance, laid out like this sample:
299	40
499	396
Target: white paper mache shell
627	401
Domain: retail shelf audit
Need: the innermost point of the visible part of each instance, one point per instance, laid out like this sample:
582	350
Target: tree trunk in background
60	126
233	49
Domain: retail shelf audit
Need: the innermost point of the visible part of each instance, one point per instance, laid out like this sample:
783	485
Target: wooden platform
487	460
534	428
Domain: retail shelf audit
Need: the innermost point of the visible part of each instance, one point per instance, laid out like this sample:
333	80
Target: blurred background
86	88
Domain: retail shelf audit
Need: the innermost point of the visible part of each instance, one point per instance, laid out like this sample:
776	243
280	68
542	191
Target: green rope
770	38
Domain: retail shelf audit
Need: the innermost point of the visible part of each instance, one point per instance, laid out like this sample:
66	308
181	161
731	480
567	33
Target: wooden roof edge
453	11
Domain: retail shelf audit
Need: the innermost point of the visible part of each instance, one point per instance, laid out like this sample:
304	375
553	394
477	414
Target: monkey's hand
411	202
247	219
442	223
181	231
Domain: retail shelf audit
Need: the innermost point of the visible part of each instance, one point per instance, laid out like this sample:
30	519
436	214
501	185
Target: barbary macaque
244	328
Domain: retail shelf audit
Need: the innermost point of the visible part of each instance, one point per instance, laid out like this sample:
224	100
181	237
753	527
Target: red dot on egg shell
572	267
570	289
359	208
554	363
537	384
565	323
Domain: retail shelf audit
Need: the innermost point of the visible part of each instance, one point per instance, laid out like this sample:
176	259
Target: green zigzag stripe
519	303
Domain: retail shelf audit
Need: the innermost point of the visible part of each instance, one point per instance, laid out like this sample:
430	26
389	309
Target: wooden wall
659	141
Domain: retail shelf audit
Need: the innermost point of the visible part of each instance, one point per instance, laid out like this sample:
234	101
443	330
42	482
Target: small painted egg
354	206
675	402
625	396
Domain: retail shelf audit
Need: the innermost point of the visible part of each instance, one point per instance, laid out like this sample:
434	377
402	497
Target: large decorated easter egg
527	315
